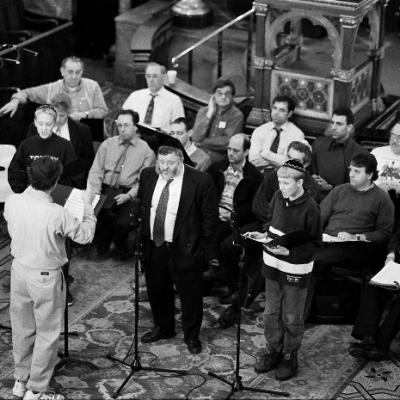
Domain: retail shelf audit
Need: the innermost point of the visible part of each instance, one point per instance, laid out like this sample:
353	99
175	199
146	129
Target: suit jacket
196	218
81	140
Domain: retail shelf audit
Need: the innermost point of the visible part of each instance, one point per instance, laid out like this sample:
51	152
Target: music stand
237	385
60	196
136	365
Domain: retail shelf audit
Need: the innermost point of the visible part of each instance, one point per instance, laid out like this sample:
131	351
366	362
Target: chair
7	152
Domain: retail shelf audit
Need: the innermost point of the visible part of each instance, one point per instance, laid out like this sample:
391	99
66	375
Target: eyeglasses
219	93
154	76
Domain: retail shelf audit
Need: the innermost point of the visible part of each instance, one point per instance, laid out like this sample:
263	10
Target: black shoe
156	334
228	318
70	299
194	346
267	362
367	352
229	298
287	368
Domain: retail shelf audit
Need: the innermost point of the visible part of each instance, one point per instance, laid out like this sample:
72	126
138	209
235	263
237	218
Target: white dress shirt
261	141
167	107
175	189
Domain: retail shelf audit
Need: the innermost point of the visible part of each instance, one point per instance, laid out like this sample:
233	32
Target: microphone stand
237	385
65	357
136	365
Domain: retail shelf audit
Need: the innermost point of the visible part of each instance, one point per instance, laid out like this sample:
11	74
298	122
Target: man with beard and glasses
179	218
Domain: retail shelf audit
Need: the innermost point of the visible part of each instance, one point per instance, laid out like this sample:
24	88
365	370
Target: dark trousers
113	225
363	257
368	322
164	269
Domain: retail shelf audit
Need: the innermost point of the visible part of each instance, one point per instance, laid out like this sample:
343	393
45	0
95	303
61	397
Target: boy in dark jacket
287	270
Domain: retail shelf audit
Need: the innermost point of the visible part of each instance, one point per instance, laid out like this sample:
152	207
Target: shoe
287	368
70	299
227	319
229	298
367	352
19	388
194	346
29	395
156	334
267	362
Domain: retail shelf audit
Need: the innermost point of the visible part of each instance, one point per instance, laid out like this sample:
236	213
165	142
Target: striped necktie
159	220
149	112
275	143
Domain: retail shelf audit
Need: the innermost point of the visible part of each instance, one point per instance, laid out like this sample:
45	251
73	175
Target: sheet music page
388	275
75	204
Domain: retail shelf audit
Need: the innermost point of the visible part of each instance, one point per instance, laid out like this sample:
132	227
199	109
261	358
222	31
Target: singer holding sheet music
115	173
38	228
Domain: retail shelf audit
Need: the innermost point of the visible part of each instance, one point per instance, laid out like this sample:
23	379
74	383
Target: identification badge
222	124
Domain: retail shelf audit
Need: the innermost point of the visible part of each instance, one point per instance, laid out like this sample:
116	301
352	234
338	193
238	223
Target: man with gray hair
86	96
155	105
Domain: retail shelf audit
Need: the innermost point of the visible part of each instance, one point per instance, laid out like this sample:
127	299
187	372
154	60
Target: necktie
159	220
275	143
116	174
149	112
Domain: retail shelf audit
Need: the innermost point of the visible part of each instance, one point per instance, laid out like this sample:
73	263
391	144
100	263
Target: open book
388	277
288	241
75	204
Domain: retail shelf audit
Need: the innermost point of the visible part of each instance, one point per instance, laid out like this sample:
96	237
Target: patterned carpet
103	317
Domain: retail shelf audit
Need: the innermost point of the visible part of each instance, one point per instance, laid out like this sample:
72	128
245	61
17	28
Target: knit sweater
369	212
301	214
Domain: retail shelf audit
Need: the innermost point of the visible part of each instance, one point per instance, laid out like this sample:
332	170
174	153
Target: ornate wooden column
344	75
262	68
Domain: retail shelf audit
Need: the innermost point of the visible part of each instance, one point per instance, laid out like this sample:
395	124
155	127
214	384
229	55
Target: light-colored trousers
37	302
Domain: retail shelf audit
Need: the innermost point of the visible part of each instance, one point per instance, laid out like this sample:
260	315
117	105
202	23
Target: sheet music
75	204
388	276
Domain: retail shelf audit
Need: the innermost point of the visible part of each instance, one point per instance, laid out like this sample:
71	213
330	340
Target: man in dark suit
179	218
78	134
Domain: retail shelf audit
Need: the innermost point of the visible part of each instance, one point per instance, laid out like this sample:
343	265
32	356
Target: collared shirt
214	134
167	107
63	132
175	189
232	179
38	228
262	139
138	156
87	98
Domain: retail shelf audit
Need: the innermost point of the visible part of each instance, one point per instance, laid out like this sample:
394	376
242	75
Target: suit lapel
73	133
186	200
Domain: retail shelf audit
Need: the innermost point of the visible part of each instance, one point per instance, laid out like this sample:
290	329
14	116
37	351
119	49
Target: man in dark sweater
357	220
44	144
331	153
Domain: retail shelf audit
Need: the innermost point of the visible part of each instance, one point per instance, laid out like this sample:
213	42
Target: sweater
301	214
35	147
369	212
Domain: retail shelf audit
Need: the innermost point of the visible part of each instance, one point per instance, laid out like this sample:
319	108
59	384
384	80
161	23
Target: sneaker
70	299
19	388
267	362
29	395
287	368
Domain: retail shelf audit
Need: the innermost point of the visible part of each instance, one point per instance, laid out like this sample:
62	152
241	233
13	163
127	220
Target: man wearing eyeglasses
156	106
115	173
216	123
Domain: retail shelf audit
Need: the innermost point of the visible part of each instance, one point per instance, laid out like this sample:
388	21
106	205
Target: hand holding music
278	250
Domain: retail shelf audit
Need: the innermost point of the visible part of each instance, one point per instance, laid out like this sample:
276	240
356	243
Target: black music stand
136	365
60	196
237	385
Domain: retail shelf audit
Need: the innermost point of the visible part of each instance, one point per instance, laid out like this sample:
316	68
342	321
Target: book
290	240
388	277
75	204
